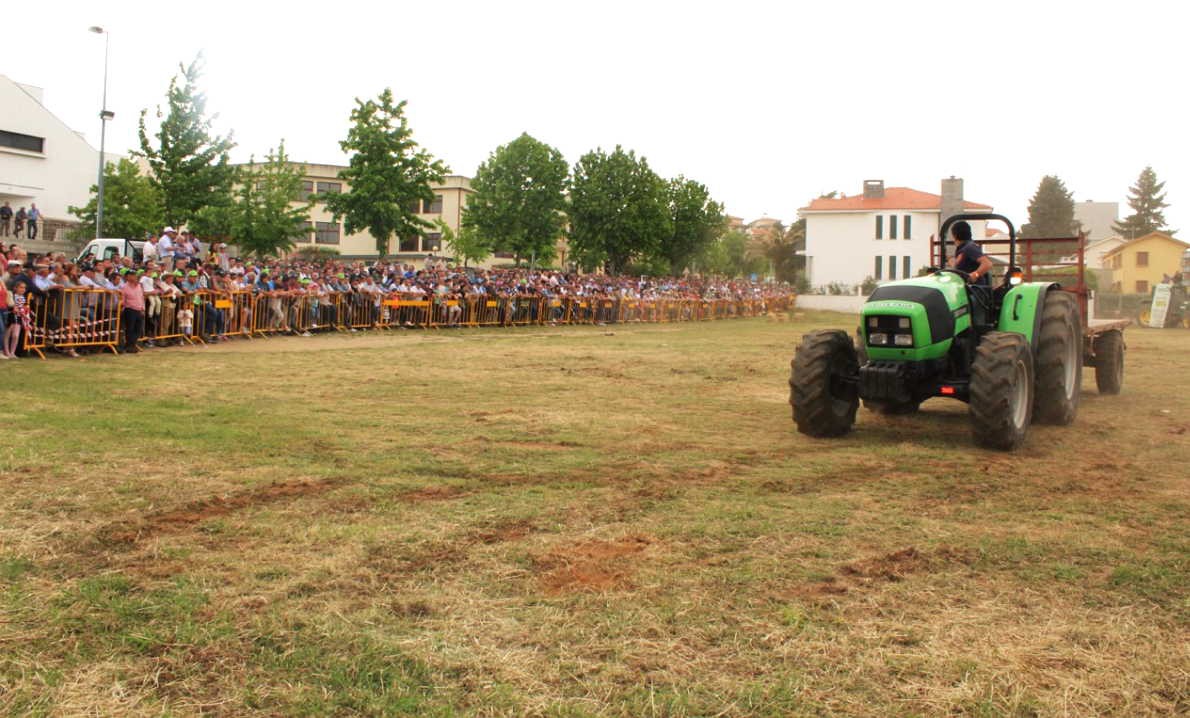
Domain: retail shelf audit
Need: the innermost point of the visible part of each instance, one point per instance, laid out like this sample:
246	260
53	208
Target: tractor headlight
878	338
873	322
903	340
903	323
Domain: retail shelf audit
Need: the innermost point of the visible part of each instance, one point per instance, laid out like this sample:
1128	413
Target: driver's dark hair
961	231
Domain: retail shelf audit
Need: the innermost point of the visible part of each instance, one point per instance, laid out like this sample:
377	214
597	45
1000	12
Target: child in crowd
186	320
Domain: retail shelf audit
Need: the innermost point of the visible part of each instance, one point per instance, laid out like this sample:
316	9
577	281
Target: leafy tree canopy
387	173
520	199
131	206
618	210
695	222
189	165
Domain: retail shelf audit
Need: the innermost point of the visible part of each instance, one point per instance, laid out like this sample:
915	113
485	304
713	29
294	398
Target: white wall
843	245
59	177
846	303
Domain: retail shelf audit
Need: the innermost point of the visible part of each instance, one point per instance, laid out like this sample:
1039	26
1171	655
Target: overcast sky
767	103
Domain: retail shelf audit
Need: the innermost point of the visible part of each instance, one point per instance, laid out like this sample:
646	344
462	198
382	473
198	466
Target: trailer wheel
1109	362
1059	360
1001	403
822	386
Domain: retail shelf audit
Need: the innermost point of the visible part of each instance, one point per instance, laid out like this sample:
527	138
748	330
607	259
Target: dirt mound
592	565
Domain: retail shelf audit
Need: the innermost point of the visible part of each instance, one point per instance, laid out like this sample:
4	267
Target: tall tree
466	243
730	255
618	210
189	164
1147	200
263	221
131	206
520	199
695	222
388	172
1051	211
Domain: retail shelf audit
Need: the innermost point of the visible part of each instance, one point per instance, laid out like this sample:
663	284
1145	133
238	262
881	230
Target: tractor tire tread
814	410
1061	327
991	389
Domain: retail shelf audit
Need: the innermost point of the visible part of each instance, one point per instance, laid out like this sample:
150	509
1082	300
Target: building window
408	244
906	266
892	264
330	187
432	242
1142	286
309	232
434	207
879	274
304	193
879	227
907	227
892	226
1142	259
415	206
326	232
17	141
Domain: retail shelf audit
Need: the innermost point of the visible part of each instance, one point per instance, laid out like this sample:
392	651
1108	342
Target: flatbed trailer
1062	260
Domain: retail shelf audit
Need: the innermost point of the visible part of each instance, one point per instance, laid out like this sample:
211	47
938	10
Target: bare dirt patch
196	512
592	565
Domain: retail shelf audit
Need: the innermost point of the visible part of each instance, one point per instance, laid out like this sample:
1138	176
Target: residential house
1138	265
883	233
42	162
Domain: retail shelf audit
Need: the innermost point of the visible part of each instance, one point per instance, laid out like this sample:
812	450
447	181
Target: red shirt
134	296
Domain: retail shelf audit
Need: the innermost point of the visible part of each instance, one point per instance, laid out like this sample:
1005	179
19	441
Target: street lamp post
104	116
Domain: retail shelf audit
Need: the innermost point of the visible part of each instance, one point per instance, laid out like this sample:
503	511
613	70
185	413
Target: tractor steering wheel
965	275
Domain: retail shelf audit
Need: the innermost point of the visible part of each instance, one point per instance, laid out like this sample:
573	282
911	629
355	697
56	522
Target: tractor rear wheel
1109	362
1059	360
1001	402
822	385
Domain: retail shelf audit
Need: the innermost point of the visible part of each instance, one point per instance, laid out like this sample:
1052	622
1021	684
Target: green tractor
1013	352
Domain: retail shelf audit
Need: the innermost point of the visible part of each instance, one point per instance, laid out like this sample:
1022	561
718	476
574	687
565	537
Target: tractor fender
1021	310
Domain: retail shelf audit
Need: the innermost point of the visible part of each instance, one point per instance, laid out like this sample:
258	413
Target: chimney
873	189
952	197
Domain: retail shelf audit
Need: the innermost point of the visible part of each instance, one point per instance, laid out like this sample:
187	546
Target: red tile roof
894	198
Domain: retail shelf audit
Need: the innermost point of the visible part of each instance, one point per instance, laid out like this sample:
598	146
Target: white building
883	233
42	162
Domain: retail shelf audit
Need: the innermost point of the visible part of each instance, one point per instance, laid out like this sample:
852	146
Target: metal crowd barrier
70	318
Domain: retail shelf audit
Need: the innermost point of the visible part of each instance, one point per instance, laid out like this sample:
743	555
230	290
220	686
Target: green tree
189	165
262	221
466	243
1051	211
1147	200
388	172
618	210
730	256
520	199
780	249
695	222
131	207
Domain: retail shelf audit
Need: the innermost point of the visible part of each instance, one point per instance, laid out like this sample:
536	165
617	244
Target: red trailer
1063	260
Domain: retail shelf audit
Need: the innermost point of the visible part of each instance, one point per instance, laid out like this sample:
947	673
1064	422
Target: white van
112	249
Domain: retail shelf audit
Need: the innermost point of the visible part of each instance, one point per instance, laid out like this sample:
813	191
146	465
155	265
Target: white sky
767	103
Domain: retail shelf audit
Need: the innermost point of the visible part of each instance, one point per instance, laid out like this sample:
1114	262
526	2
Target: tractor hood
936	306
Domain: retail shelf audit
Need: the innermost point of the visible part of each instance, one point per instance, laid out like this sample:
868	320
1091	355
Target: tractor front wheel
822	385
1001	403
1109	362
1059	360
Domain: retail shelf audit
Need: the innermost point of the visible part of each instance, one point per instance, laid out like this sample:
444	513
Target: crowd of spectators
175	264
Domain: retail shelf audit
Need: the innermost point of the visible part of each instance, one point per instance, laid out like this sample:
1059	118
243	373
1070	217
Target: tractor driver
969	258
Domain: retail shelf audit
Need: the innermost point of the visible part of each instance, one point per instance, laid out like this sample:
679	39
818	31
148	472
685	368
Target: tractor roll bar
944	231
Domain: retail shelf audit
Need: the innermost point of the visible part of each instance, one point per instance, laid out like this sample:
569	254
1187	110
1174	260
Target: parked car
113	249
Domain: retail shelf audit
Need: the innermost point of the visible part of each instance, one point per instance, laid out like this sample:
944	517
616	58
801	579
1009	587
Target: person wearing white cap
165	247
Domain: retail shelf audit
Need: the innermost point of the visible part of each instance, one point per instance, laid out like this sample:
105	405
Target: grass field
577	521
